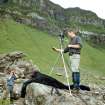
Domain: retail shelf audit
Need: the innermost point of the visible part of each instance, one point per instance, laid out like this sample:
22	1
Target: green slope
37	45
93	58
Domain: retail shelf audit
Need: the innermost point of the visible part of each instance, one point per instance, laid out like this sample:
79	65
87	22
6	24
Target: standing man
74	49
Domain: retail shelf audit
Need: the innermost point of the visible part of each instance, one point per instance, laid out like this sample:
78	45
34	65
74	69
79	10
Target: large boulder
38	94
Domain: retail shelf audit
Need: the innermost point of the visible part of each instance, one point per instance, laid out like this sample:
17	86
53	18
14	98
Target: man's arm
57	50
74	46
65	50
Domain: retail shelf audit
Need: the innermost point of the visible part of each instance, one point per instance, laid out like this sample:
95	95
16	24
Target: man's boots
76	81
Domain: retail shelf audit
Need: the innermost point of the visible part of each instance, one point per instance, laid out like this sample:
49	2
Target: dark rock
3	1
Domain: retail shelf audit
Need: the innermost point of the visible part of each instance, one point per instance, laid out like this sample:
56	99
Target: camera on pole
63	33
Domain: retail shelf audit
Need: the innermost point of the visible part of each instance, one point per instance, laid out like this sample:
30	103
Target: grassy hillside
37	45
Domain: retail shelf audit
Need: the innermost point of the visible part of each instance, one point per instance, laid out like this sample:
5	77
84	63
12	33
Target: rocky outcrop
76	15
93	37
38	94
98	39
32	19
14	60
84	17
10	59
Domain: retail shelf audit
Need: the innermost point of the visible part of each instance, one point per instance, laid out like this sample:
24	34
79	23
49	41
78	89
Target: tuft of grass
4	102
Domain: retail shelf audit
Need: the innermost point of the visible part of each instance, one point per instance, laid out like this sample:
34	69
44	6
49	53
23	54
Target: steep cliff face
42	7
45	15
93	37
69	15
84	17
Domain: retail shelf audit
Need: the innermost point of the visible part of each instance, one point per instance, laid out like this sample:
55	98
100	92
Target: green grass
4	102
93	58
37	45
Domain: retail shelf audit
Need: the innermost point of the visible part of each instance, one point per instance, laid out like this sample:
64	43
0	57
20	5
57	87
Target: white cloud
97	6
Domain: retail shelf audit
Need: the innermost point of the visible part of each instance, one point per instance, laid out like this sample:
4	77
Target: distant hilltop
50	17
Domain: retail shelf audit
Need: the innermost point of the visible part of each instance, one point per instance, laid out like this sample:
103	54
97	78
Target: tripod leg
54	64
66	72
61	42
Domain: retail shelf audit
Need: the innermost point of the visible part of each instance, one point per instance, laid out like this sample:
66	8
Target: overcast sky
97	6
